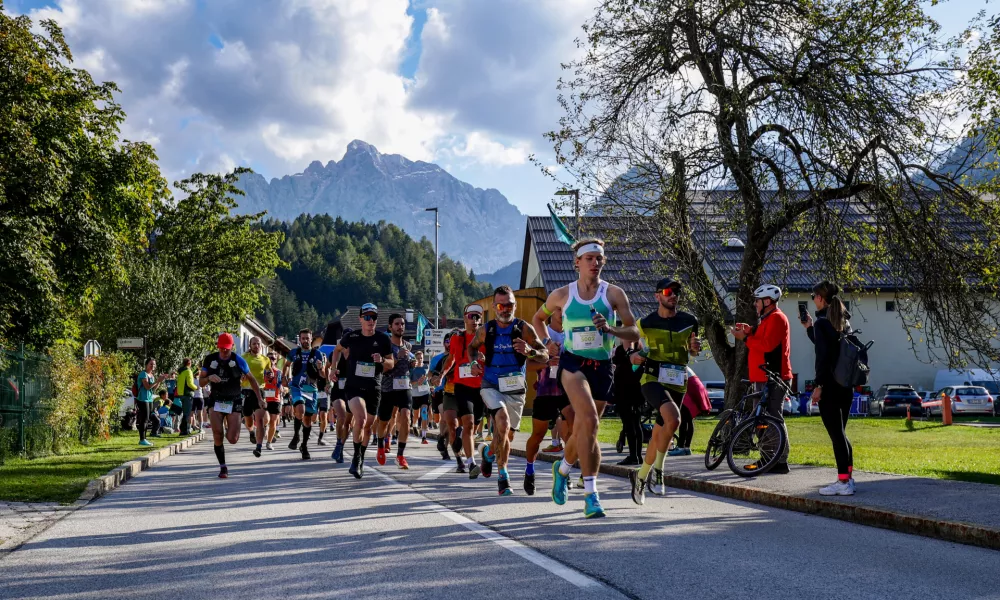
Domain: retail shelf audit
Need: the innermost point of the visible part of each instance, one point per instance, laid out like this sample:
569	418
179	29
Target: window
890	306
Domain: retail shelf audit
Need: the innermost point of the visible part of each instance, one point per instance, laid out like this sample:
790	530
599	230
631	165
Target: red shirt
458	347
769	343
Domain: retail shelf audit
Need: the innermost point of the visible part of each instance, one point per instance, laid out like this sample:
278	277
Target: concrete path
285	528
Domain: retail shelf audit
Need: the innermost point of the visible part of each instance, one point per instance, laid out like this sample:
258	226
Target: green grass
63	477
886	445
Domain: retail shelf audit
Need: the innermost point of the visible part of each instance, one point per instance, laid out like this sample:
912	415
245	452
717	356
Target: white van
978	377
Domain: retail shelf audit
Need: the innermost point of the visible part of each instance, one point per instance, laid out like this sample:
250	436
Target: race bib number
223	407
401	383
672	375
587	338
465	371
512	383
341	383
322	396
423	390
269	393
365	369
553	371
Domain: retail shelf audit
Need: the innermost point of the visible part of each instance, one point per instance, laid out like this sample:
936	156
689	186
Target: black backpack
852	362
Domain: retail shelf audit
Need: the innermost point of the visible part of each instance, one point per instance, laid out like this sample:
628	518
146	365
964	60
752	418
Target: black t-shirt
231	371
362	373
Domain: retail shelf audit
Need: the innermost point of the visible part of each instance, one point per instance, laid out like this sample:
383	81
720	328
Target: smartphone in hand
803	313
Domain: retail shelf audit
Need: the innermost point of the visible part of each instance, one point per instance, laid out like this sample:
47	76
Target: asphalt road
288	529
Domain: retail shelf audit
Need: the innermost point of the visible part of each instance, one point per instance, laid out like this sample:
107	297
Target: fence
25	399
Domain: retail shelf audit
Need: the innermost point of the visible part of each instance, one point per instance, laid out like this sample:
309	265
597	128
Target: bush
107	376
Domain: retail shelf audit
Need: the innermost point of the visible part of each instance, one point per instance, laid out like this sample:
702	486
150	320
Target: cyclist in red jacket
769	343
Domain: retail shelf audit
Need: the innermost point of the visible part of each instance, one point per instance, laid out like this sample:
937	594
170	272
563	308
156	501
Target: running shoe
560	484
440	443
592	508
401	461
553	448
320	442
656	486
487	461
479	437
488	437
305	453
380	455
474	471
268	446
256	451
461	466
679	452
840	488
395	439
355	468
294	444
629	461
338	453
638	487
277	435
253	436
224	473
503	486
529	484
579	482
145	443
424	442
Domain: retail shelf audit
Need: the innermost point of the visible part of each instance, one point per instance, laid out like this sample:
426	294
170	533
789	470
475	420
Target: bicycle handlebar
776	378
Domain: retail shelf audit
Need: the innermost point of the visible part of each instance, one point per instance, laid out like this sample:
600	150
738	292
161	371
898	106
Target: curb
102	485
949	531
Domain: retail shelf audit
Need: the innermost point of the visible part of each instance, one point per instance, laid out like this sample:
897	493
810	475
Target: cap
667	282
474	309
369	308
225	341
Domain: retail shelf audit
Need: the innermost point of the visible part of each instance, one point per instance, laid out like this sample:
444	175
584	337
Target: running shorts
419	401
495	400
395	399
249	402
236	400
467	401
371	397
656	396
307	397
197	404
548	408
273	408
323	401
599	374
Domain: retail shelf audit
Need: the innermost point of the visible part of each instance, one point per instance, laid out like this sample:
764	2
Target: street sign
130	344
91	348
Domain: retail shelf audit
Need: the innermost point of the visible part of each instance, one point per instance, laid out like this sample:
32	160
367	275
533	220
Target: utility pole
437	267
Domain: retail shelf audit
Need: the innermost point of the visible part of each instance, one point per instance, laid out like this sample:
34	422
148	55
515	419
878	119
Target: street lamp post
576	206
437	265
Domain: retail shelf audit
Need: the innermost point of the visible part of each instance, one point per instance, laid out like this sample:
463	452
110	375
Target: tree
815	131
74	198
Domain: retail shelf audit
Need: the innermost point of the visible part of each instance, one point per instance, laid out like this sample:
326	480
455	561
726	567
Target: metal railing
25	391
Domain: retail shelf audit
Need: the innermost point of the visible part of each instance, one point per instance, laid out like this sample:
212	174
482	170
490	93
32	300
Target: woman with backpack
834	400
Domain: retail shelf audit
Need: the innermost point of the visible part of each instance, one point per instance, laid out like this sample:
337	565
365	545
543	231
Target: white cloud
489	152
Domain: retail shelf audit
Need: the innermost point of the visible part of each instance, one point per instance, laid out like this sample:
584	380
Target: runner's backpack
852	363
491	338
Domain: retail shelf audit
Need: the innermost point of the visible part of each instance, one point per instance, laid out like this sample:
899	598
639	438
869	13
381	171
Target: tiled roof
351	319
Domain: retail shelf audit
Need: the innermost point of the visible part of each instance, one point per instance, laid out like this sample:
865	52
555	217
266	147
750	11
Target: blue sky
274	85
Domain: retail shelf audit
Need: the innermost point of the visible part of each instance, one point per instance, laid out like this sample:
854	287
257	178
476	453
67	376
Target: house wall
533	276
892	358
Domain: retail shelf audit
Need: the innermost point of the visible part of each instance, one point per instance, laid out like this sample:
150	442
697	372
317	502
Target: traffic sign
131	344
91	348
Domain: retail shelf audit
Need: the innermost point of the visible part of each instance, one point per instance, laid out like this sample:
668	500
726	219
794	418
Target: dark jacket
626	380
827	342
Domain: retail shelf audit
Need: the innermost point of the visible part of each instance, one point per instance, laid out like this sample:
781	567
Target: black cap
667	282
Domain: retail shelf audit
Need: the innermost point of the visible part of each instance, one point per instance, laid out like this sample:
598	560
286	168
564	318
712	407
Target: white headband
588	248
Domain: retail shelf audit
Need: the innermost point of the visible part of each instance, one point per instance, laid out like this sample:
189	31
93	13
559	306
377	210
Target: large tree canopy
830	125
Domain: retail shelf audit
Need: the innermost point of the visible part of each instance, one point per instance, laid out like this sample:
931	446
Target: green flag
562	233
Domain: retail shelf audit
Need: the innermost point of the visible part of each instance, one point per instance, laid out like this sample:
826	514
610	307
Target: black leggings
835	408
142	410
628	411
686	431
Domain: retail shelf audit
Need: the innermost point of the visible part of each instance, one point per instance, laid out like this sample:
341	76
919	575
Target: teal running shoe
145	443
592	508
560	484
486	464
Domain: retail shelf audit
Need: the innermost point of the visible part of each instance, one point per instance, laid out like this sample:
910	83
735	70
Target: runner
198	407
669	339
422	411
303	369
396	403
272	398
465	403
550	402
254	414
323	404
225	370
369	354
338	402
585	375
443	387
509	342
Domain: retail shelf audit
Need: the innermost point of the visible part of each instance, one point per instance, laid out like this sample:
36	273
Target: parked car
128	402
973	377
895	398
966	400
716	395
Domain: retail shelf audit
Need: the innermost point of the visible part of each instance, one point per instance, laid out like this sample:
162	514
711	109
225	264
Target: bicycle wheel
718	441
756	446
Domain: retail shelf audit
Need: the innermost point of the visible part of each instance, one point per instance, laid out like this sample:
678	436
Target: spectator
695	402
628	400
834	400
145	383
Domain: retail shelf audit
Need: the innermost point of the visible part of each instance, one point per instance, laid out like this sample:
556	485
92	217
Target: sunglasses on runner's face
668	292
508	306
370	317
474	316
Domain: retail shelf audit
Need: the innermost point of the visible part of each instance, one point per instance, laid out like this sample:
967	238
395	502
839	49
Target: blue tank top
504	360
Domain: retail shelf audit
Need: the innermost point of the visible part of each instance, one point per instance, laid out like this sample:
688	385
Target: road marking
552	566
434	474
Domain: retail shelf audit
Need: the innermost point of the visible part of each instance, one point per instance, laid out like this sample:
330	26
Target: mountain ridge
479	227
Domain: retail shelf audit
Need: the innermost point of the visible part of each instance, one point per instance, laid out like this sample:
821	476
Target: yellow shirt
185	382
258	363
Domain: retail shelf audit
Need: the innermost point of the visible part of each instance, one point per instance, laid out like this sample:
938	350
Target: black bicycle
750	440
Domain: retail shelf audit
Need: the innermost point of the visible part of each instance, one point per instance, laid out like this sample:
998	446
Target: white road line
435	473
552	566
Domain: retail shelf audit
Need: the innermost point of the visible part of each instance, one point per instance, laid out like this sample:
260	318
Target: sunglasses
668	292
474	316
369	317
508	306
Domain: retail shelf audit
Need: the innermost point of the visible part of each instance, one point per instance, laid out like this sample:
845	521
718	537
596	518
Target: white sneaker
268	446
841	488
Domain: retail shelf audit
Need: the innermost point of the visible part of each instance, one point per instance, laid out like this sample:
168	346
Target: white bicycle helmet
768	291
